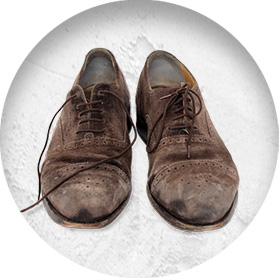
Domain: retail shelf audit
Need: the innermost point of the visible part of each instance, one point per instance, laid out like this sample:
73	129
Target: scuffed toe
90	196
194	199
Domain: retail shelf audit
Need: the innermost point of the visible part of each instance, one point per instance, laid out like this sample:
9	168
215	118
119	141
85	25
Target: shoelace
89	107
186	96
40	199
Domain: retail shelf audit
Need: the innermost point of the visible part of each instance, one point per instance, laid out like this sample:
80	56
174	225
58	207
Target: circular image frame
230	233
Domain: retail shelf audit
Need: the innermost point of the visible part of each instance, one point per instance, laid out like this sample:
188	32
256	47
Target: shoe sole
65	222
169	218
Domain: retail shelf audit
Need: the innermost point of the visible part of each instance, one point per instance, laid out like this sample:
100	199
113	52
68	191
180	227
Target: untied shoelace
40	199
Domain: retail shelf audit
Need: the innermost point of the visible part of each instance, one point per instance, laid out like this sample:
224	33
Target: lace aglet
189	151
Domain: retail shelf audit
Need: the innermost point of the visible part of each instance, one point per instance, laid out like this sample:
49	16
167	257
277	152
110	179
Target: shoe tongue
88	93
91	90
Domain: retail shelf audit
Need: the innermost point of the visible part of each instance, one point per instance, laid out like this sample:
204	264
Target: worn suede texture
93	194
199	190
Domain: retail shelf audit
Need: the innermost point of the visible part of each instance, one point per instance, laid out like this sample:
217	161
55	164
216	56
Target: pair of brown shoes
85	179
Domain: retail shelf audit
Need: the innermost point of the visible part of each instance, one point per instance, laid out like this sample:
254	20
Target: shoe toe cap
195	201
90	196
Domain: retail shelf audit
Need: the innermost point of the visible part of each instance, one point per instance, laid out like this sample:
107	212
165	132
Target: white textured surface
139	243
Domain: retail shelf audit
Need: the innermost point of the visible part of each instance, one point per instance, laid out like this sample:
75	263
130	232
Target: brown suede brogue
192	180
85	179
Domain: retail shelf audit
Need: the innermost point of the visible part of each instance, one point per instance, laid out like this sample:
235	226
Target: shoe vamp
174	149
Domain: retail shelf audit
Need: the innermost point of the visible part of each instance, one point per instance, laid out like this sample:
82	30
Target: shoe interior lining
99	69
166	71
